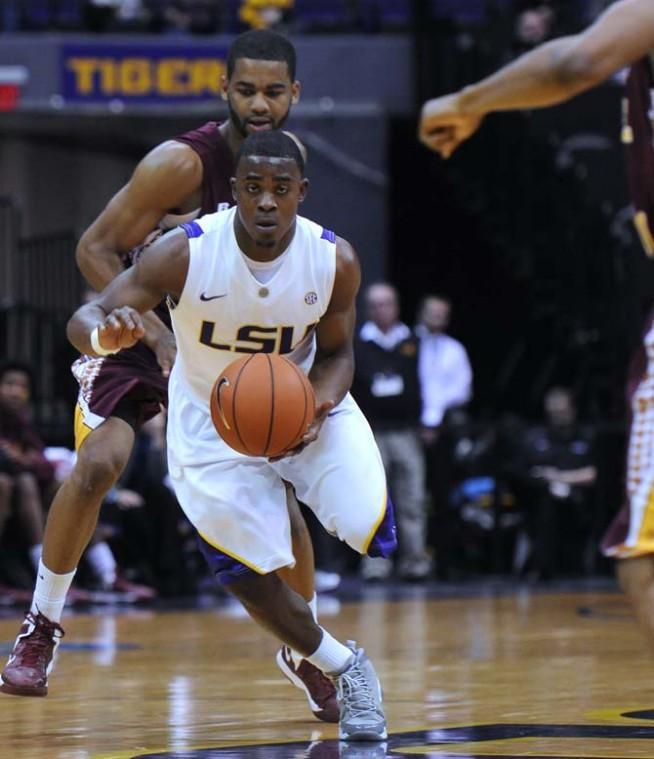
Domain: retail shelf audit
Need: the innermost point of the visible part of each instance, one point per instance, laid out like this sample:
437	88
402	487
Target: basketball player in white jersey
259	278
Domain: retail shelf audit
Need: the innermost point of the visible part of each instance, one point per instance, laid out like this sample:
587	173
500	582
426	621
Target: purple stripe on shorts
384	541
226	569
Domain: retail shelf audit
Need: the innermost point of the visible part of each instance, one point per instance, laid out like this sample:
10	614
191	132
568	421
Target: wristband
95	344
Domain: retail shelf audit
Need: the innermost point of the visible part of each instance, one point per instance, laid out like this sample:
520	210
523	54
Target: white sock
50	592
35	555
102	562
331	656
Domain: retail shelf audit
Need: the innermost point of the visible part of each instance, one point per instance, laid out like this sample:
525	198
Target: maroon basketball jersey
637	135
217	163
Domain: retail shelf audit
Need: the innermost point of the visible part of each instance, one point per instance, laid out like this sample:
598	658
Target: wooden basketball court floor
514	673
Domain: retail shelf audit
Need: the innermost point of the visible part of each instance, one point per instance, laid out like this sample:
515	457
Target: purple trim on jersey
226	568
192	229
384	541
328	235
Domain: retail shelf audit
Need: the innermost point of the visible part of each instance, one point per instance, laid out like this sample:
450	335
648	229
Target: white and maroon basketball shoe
318	688
26	672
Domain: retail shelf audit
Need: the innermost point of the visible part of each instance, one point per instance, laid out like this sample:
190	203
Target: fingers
323	410
121	328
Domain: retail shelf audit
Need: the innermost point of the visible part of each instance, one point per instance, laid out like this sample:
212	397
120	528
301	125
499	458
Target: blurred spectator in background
553	472
445	383
444	369
264	14
22	461
386	387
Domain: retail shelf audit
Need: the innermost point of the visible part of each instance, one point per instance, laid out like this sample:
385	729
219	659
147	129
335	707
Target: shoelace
354	691
36	648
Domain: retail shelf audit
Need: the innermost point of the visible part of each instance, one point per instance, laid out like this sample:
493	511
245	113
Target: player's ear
232	184
295	92
304	188
224	86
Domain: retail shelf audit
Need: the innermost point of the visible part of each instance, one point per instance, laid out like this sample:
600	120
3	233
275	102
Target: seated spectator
553	471
387	389
28	477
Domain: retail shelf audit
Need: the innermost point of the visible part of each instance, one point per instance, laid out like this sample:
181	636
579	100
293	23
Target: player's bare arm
117	311
550	74
333	368
165	179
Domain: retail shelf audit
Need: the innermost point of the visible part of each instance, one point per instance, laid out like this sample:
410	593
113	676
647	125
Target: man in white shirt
443	366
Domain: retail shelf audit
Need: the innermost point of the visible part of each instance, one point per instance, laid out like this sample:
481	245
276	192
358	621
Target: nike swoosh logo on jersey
205	298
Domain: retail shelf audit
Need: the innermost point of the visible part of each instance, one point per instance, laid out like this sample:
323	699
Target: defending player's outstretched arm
116	312
550	74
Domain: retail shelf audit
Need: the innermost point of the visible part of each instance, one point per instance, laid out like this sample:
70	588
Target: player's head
260	85
269	186
382	305
15	385
434	313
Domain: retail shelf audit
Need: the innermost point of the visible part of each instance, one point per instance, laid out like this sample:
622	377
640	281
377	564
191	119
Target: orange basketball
262	404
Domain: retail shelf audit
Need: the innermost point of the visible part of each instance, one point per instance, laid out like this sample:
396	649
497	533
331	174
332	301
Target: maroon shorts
132	375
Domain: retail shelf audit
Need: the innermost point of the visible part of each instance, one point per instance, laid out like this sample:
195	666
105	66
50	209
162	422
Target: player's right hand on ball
122	328
444	126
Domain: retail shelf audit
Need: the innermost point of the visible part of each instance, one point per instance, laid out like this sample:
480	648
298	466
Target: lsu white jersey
224	312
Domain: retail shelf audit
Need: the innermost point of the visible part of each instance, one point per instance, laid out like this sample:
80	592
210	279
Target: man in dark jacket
387	388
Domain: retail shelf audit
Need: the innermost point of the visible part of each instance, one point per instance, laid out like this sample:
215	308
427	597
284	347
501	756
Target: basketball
262	404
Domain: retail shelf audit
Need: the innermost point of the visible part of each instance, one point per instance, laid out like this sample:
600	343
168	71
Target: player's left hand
312	433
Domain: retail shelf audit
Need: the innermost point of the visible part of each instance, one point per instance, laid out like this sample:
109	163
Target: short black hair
272	144
262	45
17	366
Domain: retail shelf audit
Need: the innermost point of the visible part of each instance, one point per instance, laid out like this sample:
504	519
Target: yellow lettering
205	76
135	78
172	77
107	76
642	225
84	70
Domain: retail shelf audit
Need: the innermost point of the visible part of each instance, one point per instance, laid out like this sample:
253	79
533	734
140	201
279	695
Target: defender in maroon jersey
550	74
179	179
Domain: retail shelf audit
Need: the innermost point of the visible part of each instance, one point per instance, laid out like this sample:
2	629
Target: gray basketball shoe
360	700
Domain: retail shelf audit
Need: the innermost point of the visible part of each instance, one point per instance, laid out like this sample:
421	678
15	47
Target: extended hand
121	328
312	433
443	126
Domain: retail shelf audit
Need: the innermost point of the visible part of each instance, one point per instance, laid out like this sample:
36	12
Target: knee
97	470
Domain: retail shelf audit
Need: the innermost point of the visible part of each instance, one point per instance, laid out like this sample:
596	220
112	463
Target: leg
301	577
74	512
282	611
71	522
636	577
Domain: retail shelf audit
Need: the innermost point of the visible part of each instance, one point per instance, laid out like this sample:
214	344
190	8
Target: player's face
259	94
267	192
15	389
